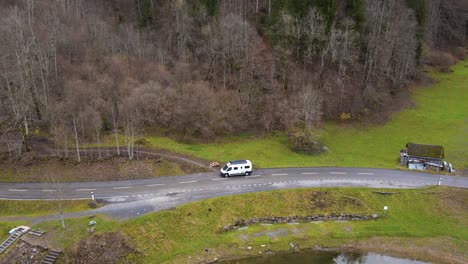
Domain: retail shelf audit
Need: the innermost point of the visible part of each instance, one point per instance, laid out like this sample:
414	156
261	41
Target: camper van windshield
225	167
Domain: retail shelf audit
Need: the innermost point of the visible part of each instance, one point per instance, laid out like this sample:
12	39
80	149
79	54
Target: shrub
459	53
345	116
303	142
142	142
441	60
93	204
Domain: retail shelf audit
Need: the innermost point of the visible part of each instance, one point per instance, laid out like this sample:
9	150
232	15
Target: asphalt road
127	199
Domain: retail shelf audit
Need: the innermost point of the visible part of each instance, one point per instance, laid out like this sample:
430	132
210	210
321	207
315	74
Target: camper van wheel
247	173
226	175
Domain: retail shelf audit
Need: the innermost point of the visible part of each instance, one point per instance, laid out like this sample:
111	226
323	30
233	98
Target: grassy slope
11	208
171	236
438	117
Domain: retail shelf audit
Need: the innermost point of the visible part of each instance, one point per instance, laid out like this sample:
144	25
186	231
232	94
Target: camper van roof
233	162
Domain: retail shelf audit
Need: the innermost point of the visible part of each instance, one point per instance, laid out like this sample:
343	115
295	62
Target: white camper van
236	167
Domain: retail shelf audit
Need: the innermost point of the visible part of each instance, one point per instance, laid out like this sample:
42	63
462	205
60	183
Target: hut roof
428	151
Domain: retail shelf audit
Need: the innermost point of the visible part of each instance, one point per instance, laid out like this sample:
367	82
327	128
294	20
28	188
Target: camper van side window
235	168
247	167
229	169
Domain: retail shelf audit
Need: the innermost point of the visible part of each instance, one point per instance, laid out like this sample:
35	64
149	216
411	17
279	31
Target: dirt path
146	153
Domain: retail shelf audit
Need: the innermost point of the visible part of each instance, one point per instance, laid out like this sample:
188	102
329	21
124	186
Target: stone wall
292	219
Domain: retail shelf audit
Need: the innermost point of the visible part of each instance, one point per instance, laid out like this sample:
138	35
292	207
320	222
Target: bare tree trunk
26	127
66	145
99	142
139	10
269	7
83	135
43	80
115	132
76	141
55	62
9	150
132	139
133	142
129	137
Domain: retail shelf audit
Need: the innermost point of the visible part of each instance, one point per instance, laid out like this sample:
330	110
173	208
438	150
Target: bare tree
77	145
431	23
341	49
391	44
116	133
312	105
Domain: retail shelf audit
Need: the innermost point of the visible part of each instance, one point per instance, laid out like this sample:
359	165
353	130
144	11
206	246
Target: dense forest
78	69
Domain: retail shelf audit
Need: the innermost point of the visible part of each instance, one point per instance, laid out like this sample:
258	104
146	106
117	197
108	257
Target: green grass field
439	117
171	236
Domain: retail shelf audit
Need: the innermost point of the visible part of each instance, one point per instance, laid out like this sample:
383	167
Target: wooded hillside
75	69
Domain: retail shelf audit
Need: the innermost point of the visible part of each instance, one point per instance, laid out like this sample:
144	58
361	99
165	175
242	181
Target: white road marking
366	173
17	190
49	190
279	174
187	182
41	199
103	197
217	179
338	172
123	187
306	173
253	176
156	184
84	190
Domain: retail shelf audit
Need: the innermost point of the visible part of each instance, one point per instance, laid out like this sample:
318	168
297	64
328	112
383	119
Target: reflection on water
325	257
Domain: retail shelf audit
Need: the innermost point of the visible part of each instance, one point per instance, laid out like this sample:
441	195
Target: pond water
325	257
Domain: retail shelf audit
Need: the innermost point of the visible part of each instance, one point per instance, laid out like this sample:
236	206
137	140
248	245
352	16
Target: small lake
325	257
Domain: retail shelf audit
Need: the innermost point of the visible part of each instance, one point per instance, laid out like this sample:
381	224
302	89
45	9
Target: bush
303	142
93	204
345	116
142	142
459	53
441	60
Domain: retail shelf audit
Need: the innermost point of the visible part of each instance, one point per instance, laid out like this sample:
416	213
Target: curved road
126	199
